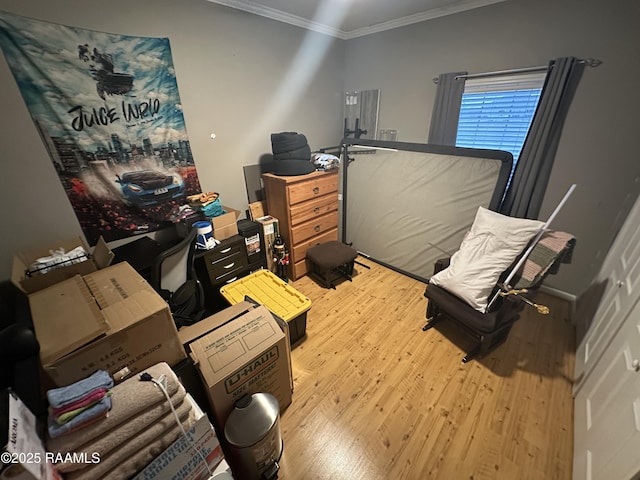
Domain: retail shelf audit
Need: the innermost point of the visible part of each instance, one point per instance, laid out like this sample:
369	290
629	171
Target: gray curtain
446	109
531	176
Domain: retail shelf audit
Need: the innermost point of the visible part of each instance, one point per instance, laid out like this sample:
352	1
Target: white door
607	410
621	272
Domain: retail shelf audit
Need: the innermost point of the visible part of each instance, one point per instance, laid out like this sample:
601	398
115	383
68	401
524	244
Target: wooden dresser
306	207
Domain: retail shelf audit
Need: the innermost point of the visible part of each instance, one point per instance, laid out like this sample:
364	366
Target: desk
140	254
214	268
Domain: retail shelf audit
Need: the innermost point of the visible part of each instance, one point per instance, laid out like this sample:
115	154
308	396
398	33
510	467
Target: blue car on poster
145	188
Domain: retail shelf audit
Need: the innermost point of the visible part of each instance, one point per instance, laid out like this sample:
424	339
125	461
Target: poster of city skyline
108	110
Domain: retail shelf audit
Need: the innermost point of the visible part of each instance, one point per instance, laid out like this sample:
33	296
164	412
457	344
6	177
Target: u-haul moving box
247	354
110	319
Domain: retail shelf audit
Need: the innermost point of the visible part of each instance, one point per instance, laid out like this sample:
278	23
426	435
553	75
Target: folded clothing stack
138	428
79	404
325	161
208	202
291	154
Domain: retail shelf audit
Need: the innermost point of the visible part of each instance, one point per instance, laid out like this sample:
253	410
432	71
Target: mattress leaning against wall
407	205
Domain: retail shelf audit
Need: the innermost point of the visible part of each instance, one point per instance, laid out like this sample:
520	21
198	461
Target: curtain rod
590	62
505	72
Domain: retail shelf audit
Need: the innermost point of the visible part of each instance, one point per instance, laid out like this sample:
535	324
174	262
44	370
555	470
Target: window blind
496	113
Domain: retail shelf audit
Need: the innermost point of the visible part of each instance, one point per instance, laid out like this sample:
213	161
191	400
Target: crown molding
279	15
418	17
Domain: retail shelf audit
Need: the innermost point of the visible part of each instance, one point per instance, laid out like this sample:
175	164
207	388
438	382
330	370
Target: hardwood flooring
375	397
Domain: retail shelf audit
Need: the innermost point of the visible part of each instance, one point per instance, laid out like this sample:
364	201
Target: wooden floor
375	397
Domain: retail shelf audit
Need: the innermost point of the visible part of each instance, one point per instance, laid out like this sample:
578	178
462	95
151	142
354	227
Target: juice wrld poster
108	110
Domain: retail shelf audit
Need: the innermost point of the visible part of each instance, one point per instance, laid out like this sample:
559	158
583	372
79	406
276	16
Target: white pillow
492	244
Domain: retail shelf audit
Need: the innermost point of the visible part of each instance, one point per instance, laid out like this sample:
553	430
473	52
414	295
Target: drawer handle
316	210
317	228
231	280
226	250
316	190
226	267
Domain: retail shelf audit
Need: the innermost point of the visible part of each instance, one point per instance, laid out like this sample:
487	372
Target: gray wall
229	65
598	150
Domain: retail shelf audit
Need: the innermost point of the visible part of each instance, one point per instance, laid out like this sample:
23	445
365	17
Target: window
496	112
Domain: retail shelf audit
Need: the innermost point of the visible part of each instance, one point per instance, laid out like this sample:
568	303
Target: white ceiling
347	19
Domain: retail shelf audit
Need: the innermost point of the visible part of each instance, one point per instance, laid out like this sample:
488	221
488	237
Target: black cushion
459	310
331	254
291	154
17	342
287	141
292	167
302	153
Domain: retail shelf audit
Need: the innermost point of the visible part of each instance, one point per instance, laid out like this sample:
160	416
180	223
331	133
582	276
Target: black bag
184	304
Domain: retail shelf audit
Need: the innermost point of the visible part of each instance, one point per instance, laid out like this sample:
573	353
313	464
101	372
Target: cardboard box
190	333
180	460
224	226
245	353
198	330
269	231
110	319
256	210
101	257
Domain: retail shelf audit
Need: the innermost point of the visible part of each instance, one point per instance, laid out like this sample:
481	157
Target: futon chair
173	276
490	329
492	326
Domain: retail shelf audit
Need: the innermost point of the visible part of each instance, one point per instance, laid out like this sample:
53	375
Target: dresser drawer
313	208
227	264
299	269
229	276
316	187
300	250
313	227
223	251
228	257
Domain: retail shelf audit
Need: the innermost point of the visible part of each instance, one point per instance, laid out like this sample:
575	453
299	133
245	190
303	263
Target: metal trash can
253	435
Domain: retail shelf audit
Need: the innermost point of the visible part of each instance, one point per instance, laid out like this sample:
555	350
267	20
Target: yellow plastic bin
279	297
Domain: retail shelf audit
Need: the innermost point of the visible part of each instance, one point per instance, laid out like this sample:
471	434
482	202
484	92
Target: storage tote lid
269	290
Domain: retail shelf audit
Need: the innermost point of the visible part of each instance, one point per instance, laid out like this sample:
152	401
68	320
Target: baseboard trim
561	294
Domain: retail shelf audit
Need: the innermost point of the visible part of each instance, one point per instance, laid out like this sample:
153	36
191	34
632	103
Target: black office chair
173	276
